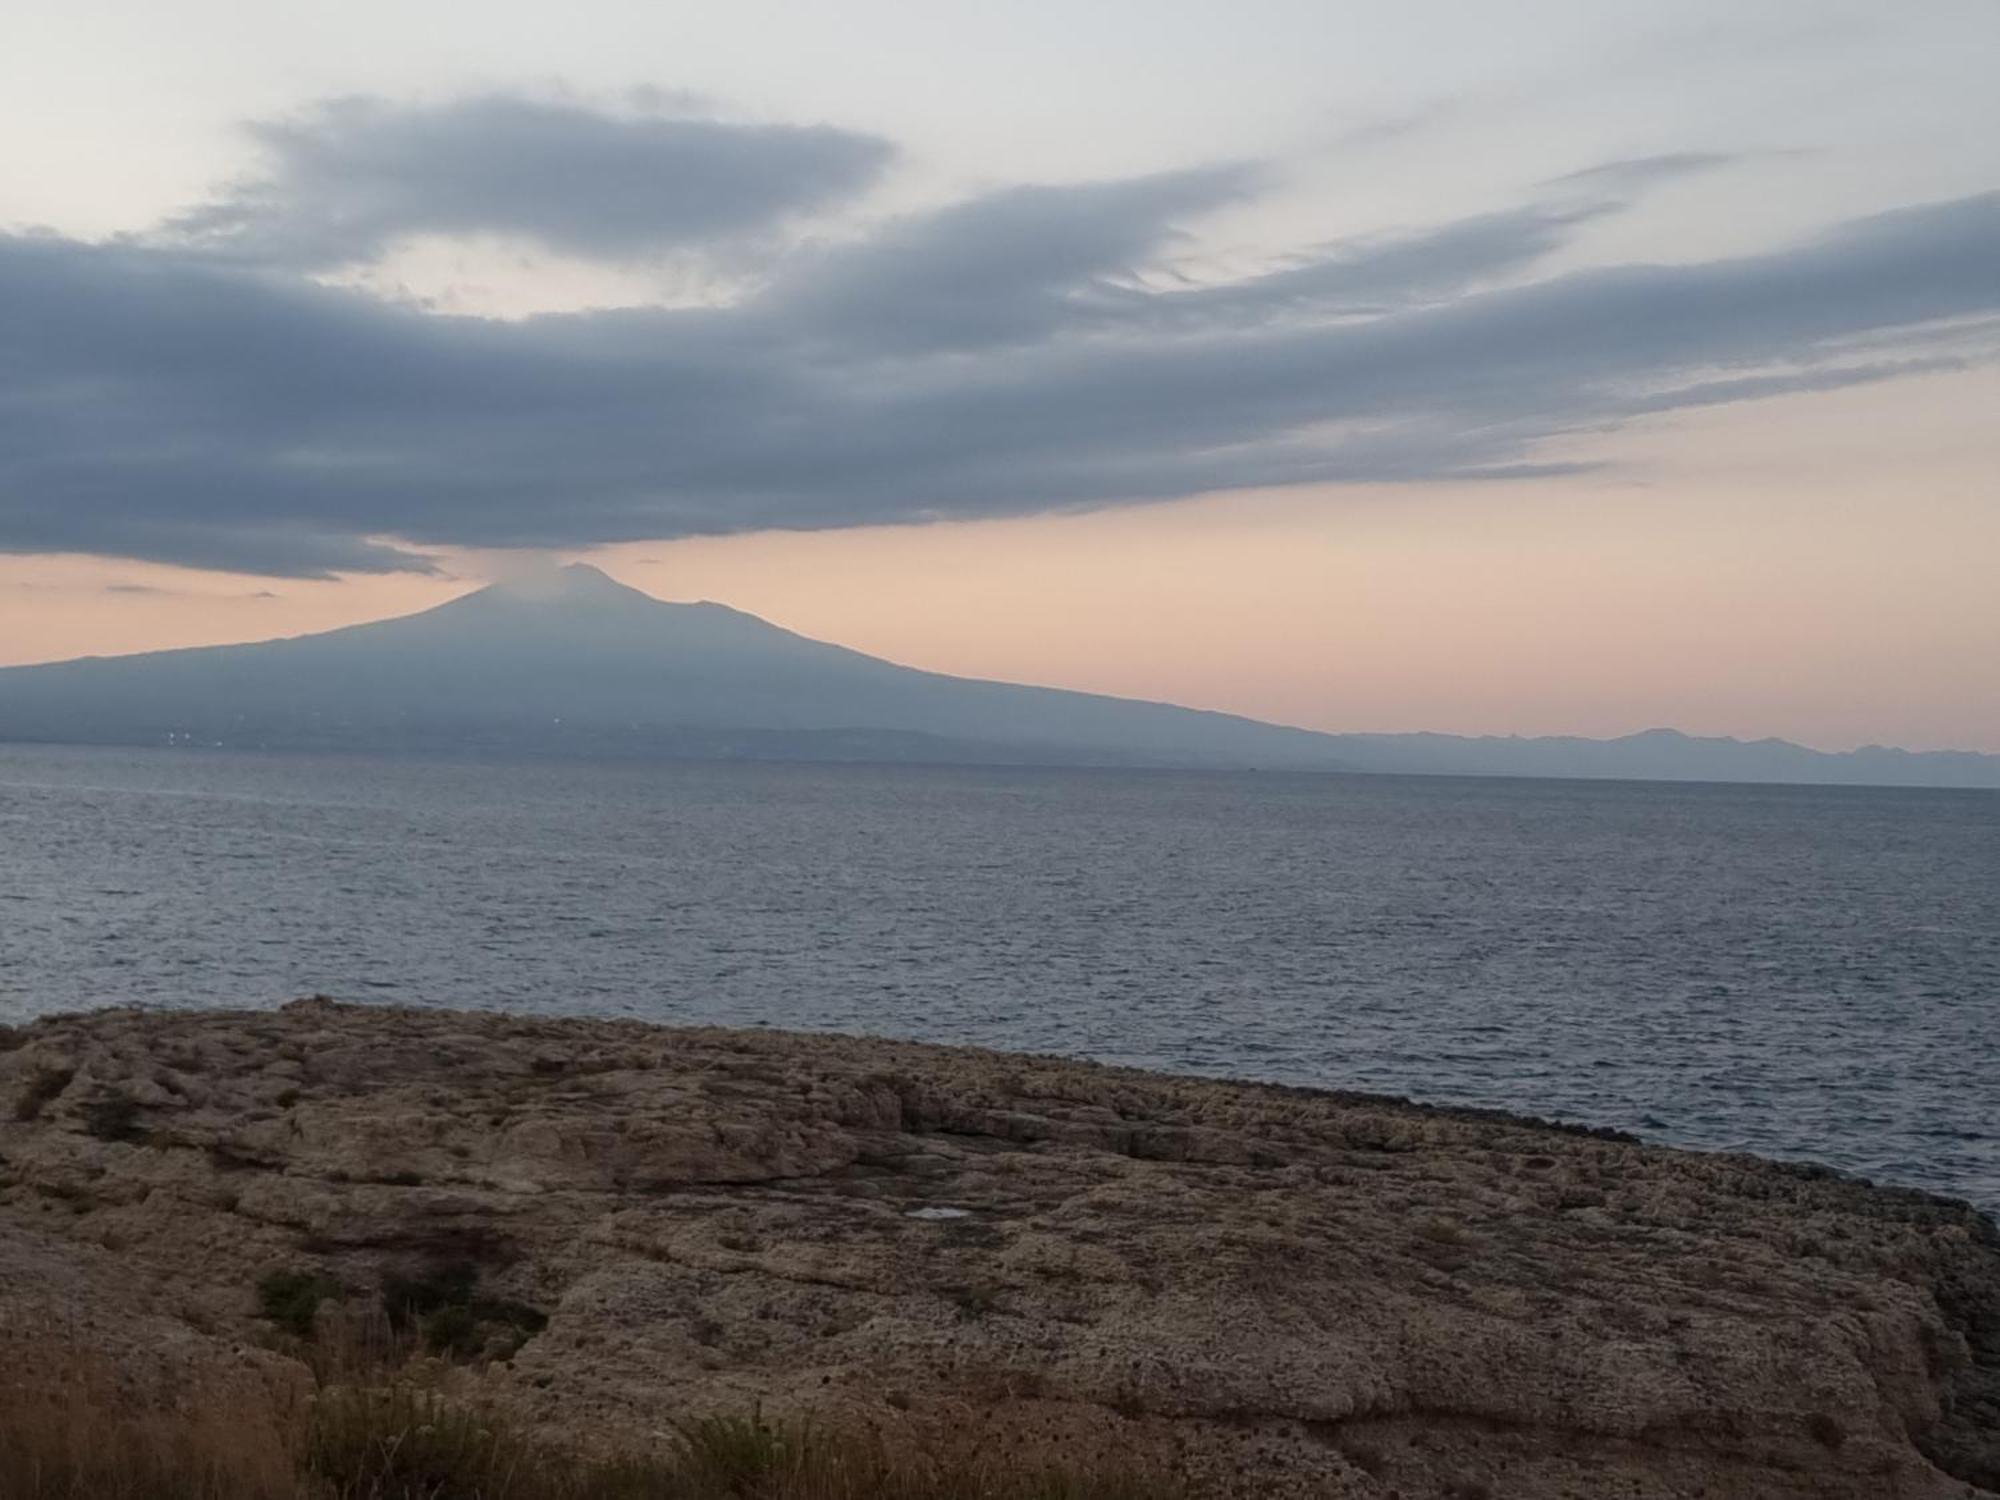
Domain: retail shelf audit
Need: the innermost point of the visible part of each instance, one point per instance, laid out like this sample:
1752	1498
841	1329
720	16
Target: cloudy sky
1574	365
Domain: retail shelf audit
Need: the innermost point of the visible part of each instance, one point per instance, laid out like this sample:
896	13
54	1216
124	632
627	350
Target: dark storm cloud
1023	352
350	178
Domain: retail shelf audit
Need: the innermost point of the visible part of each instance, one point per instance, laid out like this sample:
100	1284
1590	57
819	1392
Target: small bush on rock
444	1307
291	1299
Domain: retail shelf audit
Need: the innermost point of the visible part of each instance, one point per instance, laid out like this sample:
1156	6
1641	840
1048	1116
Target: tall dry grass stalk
72	1429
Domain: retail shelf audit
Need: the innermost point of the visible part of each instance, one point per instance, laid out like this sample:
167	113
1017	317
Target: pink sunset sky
1359	367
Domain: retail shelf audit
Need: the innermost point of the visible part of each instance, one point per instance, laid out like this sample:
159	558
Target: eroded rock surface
1277	1292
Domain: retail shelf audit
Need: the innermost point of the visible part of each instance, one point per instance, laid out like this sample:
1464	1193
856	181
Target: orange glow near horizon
1799	581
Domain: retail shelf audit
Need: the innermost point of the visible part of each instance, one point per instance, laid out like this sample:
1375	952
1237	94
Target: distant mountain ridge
1669	755
575	663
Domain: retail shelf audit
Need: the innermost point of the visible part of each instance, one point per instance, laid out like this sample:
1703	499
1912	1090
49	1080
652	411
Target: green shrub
444	1308
409	1300
291	1299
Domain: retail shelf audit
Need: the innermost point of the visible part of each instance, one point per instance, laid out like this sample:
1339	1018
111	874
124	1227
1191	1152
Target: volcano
573	662
576	662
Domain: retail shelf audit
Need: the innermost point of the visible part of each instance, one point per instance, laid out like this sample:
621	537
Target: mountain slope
576	663
582	663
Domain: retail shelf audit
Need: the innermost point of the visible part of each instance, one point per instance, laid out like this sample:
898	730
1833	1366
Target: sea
1806	973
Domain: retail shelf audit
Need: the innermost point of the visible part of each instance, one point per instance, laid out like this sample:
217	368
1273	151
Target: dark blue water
1801	972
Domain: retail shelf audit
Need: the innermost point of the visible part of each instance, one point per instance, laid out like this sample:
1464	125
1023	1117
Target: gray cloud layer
1013	354
352	177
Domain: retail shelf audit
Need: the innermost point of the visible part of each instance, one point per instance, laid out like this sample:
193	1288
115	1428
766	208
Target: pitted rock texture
1268	1291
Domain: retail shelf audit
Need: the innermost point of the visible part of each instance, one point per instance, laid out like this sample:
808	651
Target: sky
1548	368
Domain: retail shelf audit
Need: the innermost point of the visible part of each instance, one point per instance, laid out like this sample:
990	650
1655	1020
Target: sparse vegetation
69	1430
68	1434
409	1299
291	1299
444	1308
400	1442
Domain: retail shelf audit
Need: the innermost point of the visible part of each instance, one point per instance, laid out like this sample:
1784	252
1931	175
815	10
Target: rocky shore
1266	1291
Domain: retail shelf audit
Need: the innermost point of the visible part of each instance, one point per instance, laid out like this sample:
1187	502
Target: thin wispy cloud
192	397
1638	172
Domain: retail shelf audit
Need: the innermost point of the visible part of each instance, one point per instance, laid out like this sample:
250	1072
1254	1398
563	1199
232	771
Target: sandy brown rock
1281	1292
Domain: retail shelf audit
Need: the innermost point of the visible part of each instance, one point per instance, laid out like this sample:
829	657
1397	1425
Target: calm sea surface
1799	972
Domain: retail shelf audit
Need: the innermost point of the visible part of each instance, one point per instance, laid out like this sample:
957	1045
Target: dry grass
72	1433
69	1432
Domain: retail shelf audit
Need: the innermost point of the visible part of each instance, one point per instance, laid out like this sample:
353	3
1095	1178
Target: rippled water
1801	972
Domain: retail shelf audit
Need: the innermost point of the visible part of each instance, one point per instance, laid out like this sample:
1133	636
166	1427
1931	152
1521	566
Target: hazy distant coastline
581	665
